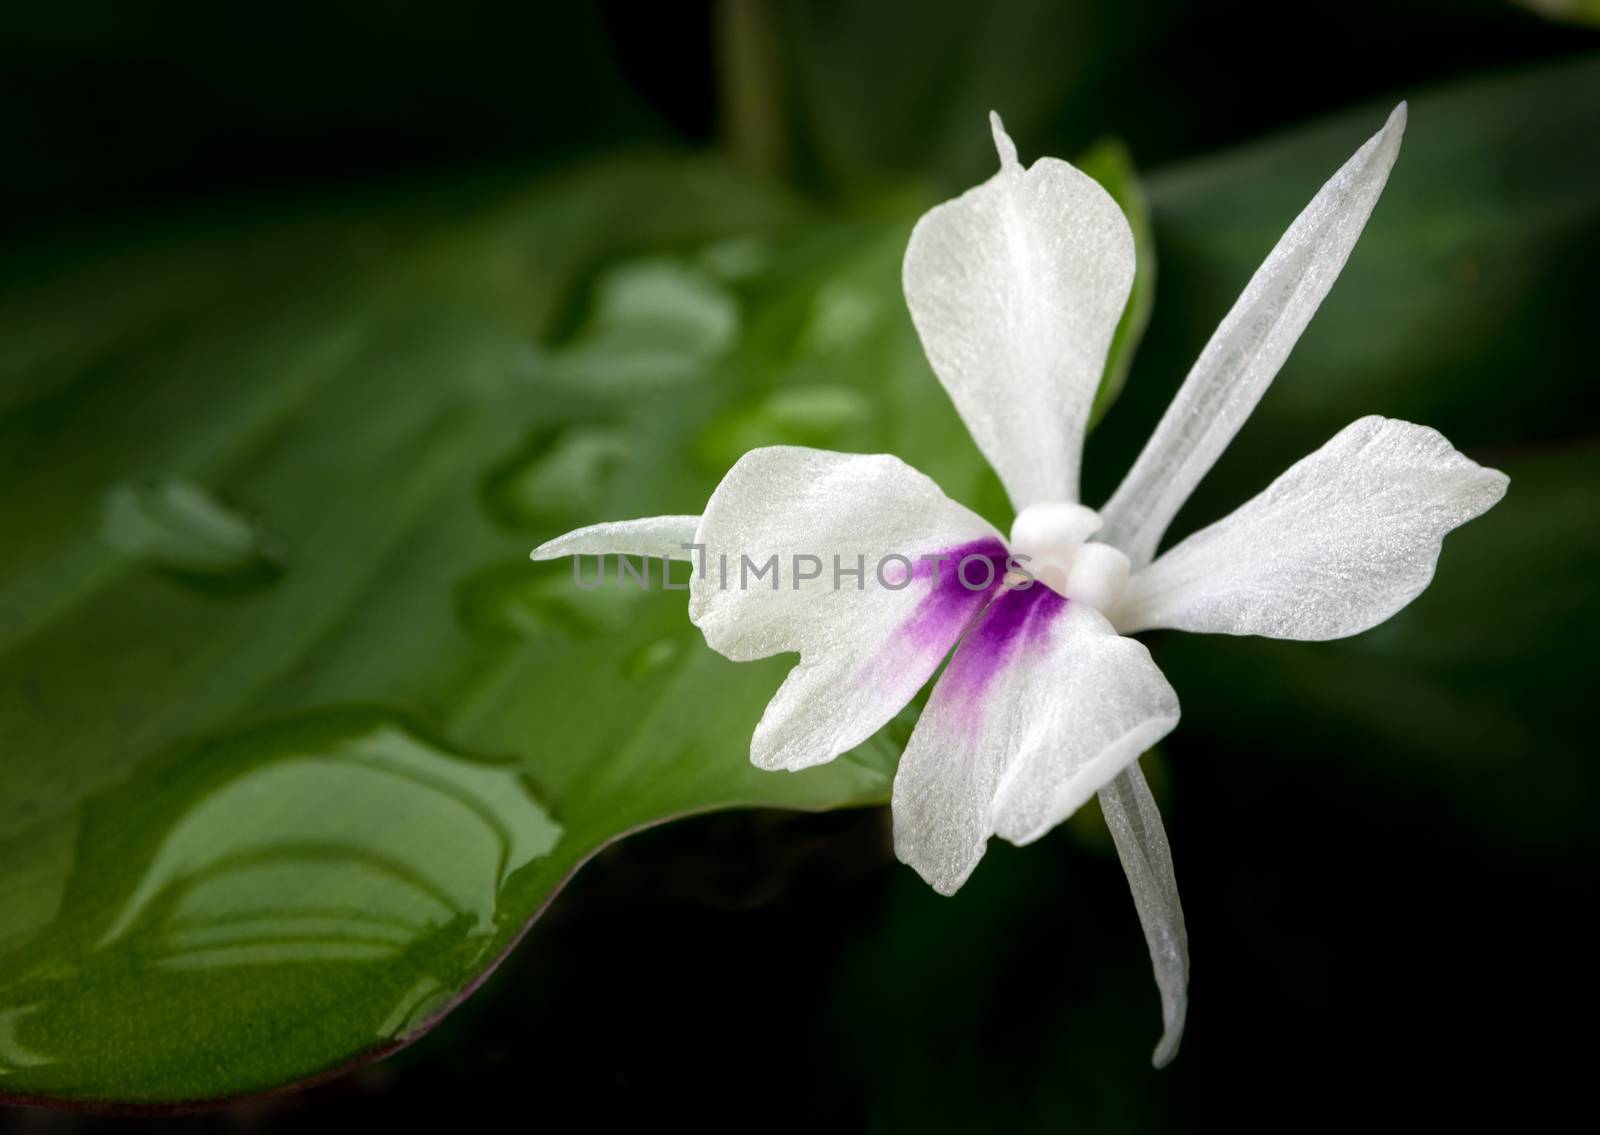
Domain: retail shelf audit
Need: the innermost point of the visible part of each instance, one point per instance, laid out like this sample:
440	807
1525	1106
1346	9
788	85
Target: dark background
1365	944
112	106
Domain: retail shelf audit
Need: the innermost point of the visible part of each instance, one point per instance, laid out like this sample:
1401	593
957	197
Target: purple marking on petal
951	604
942	615
1022	614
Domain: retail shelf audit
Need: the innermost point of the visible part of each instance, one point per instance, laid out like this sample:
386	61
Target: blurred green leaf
1478	689
1463	305
877	91
1466	306
867	93
1571	11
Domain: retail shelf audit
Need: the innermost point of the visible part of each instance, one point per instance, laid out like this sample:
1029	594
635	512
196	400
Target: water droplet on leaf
280	868
739	258
830	417
268	864
558	476
651	658
523	600
842	315
14	1055
179	527
655	323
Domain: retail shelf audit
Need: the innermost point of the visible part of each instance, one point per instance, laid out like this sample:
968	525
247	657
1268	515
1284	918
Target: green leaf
1474	690
1459	308
1571	11
1465	307
871	92
297	740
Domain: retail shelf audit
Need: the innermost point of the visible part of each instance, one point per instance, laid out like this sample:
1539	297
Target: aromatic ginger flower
1015	288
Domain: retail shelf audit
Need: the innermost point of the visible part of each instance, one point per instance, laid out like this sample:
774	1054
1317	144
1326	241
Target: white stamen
1049	534
1098	576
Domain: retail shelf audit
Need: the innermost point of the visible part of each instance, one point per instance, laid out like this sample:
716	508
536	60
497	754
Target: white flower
1016	287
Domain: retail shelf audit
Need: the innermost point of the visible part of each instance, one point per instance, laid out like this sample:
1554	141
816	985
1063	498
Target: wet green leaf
250	833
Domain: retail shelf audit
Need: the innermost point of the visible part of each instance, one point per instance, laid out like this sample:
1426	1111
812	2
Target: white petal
1042	705
651	536
1135	824
1344	539
864	652
1016	287
1249	346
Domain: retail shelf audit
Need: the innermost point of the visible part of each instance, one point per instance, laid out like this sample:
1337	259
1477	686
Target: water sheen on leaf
250	835
253	833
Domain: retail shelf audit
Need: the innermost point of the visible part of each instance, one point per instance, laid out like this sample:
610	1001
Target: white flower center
1053	536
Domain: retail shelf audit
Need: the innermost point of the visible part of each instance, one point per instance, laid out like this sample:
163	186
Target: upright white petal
864	650
1244	354
650	536
1135	824
1341	541
1042	705
1016	287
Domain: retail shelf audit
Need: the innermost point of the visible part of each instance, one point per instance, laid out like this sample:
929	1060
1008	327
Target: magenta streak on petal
951	604
1017	616
942	615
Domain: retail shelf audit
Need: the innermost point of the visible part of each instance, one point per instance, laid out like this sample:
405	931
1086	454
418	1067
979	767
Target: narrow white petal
1016	287
1249	346
1341	541
651	536
1135	824
1042	705
867	642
